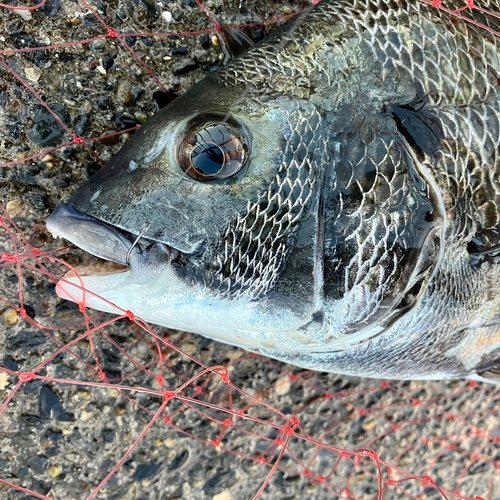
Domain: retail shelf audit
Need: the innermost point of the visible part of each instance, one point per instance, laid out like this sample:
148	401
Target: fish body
330	198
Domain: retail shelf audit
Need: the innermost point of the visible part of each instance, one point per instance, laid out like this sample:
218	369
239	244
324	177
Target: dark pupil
207	158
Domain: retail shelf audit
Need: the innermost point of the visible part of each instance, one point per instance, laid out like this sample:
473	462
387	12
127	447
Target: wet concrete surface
61	440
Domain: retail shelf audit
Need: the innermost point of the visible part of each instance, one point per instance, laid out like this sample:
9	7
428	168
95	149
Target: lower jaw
104	268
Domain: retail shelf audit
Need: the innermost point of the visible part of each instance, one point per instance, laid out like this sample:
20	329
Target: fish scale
360	231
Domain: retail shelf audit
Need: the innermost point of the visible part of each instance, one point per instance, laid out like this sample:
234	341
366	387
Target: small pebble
283	385
184	66
46	129
369	425
10	316
85	395
33	74
54	470
24	14
141	117
124	92
188	348
86	416
17	208
167	16
235	354
169	442
112	393
15	106
215	40
112	140
101	69
225	495
4	380
120	410
51	406
37	240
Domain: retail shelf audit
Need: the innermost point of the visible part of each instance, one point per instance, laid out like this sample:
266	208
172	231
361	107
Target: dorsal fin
235	39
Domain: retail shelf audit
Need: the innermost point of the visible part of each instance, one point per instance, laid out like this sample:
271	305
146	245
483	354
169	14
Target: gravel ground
61	440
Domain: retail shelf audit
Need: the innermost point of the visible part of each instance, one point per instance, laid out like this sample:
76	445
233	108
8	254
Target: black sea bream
330	198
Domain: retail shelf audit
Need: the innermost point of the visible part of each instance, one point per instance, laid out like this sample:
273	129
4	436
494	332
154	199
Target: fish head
214	206
261	220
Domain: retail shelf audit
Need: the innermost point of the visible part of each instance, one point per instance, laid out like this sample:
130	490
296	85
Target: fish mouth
124	251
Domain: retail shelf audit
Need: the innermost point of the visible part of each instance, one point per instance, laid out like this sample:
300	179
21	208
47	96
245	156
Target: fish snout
145	258
90	234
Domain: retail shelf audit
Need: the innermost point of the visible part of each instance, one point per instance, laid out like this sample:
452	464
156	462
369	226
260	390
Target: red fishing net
95	405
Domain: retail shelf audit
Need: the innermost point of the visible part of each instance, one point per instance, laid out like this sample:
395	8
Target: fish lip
104	240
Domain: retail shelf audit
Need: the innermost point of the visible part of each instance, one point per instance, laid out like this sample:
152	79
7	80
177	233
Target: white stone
25	14
33	74
283	385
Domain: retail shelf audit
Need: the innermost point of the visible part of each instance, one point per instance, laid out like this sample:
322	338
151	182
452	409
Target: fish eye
212	151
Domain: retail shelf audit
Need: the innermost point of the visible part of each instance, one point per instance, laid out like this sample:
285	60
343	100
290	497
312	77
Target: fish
330	198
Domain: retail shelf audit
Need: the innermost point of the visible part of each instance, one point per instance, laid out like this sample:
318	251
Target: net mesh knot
8	257
26	376
130	315
168	395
